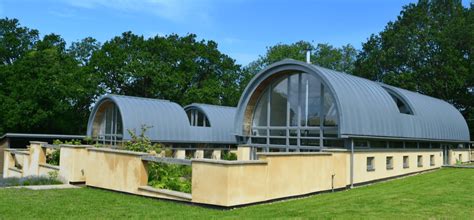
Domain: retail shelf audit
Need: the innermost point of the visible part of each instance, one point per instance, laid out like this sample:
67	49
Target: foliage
70	142
441	194
170	176
141	143
229	156
325	55
181	69
30	181
428	49
52	156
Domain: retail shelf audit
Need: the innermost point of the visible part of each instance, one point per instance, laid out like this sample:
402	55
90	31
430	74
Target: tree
180	69
325	55
45	91
15	41
428	49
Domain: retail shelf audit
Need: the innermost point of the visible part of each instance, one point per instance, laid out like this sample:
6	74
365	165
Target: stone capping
230	162
75	146
49	166
171	193
15	169
396	150
17	151
108	150
294	154
38	142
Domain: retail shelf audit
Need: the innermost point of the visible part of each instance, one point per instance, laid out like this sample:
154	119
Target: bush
52	157
141	143
51	179
229	156
170	176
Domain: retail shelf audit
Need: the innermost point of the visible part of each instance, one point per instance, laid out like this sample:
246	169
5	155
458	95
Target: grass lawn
445	193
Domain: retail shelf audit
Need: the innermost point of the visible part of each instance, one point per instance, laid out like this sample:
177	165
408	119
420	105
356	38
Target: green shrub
53	157
229	156
52	179
170	176
141	143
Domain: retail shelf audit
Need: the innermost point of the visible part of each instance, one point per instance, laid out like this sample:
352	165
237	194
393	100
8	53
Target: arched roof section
366	109
168	119
221	119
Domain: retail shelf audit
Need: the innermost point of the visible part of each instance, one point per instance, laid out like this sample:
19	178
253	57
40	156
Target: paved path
44	187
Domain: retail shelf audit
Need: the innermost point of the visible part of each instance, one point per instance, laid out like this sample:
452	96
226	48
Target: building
195	125
295	106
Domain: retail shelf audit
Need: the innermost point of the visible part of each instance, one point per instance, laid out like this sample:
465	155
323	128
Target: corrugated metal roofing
221	119
168	120
365	108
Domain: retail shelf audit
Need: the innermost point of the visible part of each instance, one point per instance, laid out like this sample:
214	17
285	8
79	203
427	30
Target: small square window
420	161
370	164
432	160
405	162
389	162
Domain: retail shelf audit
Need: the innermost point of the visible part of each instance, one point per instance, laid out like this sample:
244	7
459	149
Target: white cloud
174	10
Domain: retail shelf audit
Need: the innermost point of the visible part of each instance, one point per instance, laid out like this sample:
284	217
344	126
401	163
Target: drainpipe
352	163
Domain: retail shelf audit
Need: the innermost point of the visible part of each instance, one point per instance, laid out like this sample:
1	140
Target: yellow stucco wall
275	175
458	154
361	174
73	161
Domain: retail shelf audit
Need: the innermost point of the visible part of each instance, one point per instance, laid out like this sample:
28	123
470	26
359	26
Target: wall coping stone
49	166
397	150
294	154
229	162
38	142
115	151
75	146
172	193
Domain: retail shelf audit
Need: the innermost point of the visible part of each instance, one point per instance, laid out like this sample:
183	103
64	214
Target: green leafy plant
141	143
229	156
52	157
170	176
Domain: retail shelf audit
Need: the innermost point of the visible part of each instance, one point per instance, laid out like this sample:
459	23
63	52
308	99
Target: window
420	161
370	164
460	158
197	118
361	144
295	110
389	163
411	144
401	104
432	160
378	144
396	144
405	162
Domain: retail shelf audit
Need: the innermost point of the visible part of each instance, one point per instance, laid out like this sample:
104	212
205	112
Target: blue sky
242	28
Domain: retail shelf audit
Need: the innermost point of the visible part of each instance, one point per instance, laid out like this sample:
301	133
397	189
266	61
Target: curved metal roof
168	119
366	109
221	119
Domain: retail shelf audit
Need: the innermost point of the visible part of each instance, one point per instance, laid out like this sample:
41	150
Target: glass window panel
278	141
330	113
258	140
293	133
396	144
411	145
330	132
334	143
277	132
278	103
293	98
361	143
260	115
293	141
424	145
378	144
200	119
309	133
310	100
259	132
309	142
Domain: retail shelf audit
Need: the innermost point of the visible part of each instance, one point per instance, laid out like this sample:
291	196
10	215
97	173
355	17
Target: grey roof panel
221	119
